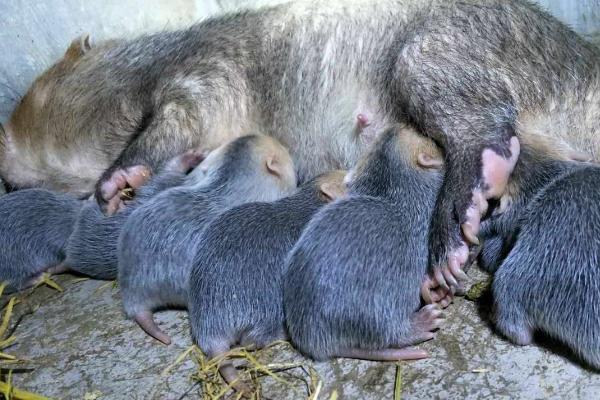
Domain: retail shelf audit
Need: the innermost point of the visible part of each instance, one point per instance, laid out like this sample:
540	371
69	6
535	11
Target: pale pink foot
437	294
111	190
428	319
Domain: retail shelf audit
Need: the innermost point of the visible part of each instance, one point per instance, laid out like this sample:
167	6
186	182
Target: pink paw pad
111	190
497	169
495	173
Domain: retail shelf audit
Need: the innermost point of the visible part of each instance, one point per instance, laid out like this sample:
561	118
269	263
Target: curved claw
470	233
439	278
427	289
455	269
449	277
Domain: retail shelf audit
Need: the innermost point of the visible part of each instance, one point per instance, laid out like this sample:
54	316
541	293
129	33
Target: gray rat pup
157	245
34	229
236	294
352	283
530	246
550	279
92	248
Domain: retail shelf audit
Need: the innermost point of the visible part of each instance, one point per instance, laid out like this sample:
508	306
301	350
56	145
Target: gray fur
157	244
535	170
544	253
235	294
353	278
469	74
550	280
92	248
303	70
34	230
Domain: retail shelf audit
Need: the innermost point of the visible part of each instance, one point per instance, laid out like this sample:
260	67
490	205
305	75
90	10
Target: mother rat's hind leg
448	93
173	129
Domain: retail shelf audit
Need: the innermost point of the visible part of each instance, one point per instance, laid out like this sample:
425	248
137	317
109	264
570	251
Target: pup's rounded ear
274	167
332	190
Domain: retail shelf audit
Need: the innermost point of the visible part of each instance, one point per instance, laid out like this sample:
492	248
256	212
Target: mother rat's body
323	77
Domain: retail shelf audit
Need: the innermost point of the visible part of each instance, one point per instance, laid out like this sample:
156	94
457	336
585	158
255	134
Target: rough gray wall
33	34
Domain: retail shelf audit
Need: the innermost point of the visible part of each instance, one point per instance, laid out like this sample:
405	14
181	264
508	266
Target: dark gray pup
538	166
158	243
550	280
34	229
352	283
92	248
320	76
236	294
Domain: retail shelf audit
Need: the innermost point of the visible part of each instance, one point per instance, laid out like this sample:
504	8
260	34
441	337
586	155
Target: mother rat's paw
111	189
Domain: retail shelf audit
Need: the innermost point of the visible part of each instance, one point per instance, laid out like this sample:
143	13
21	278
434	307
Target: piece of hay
48	281
215	388
6	388
112	284
398	383
12	393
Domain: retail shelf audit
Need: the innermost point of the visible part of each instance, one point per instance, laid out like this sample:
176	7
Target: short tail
145	320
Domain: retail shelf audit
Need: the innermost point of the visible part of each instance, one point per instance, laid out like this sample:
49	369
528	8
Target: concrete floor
78	345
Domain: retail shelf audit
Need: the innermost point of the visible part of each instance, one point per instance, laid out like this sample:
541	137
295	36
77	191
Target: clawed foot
432	293
112	192
425	321
447	272
447	279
